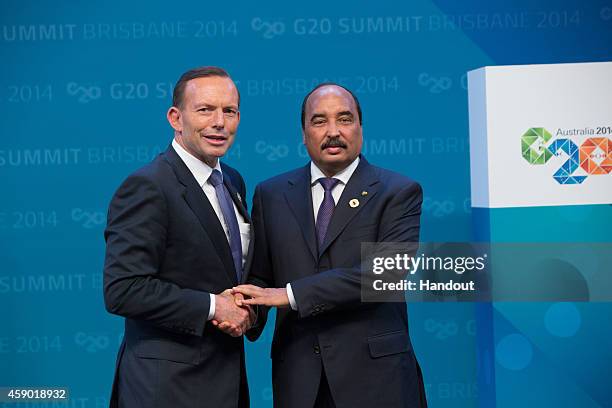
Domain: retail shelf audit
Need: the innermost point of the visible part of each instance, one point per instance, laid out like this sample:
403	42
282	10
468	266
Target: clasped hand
231	316
233	311
254	295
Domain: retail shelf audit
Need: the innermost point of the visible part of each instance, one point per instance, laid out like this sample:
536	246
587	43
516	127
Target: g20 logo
594	155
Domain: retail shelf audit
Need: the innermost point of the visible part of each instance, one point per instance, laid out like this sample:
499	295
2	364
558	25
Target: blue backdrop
83	99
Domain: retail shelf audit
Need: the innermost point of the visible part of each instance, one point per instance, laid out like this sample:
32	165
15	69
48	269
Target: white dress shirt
202	171
318	193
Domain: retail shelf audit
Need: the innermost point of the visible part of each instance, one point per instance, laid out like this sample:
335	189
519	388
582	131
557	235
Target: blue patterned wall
83	98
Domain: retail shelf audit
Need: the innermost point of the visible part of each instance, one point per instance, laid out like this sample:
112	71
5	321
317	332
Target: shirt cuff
291	298
211	310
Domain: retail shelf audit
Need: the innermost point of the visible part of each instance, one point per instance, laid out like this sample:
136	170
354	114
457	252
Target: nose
332	129
219	119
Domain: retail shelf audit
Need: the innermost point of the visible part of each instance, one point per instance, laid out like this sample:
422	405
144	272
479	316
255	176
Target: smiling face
332	131
206	121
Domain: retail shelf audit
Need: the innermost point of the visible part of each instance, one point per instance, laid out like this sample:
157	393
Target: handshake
234	314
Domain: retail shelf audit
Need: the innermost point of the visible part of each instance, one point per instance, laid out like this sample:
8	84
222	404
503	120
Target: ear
174	118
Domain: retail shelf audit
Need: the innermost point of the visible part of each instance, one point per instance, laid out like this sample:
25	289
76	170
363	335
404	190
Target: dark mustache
334	142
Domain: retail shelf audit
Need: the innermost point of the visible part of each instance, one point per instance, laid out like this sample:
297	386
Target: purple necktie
227	208
326	209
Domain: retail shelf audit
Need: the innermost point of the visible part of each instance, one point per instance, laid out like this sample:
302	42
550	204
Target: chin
338	158
216	152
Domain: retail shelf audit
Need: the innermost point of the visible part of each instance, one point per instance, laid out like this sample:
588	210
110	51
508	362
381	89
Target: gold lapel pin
354	203
364	193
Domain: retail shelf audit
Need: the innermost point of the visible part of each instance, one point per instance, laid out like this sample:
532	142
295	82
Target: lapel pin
354	203
364	193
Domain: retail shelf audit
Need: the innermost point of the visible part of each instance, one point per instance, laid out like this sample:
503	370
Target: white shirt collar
200	170
344	175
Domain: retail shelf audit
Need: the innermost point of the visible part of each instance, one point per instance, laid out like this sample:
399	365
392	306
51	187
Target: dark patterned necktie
326	209
227	208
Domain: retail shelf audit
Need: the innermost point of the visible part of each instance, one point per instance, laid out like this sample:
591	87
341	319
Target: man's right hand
229	317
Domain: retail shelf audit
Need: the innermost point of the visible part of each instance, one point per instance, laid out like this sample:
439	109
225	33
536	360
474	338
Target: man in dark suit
177	239
330	349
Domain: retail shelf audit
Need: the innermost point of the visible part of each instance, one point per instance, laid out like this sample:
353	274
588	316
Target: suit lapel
236	198
201	207
363	179
299	198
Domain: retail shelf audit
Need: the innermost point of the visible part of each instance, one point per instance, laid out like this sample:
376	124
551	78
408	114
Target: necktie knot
328	183
216	178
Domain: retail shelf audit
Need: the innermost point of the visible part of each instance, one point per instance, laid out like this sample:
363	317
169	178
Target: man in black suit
330	349
177	239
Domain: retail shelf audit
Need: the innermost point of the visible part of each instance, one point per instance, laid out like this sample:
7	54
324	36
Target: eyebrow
316	115
320	115
208	105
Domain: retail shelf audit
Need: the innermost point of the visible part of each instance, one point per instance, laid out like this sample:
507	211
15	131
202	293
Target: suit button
317	349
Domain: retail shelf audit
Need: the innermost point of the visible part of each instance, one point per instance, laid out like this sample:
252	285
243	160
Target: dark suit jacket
165	252
364	348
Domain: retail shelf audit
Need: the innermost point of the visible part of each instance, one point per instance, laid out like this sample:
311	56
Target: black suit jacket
364	348
166	251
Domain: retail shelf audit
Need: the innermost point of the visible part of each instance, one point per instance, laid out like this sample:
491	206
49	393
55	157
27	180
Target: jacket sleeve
340	288
135	247
261	268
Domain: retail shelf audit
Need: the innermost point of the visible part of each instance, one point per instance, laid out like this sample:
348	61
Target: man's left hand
262	296
236	329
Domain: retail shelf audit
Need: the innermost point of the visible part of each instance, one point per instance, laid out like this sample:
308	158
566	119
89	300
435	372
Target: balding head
330	86
331	120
